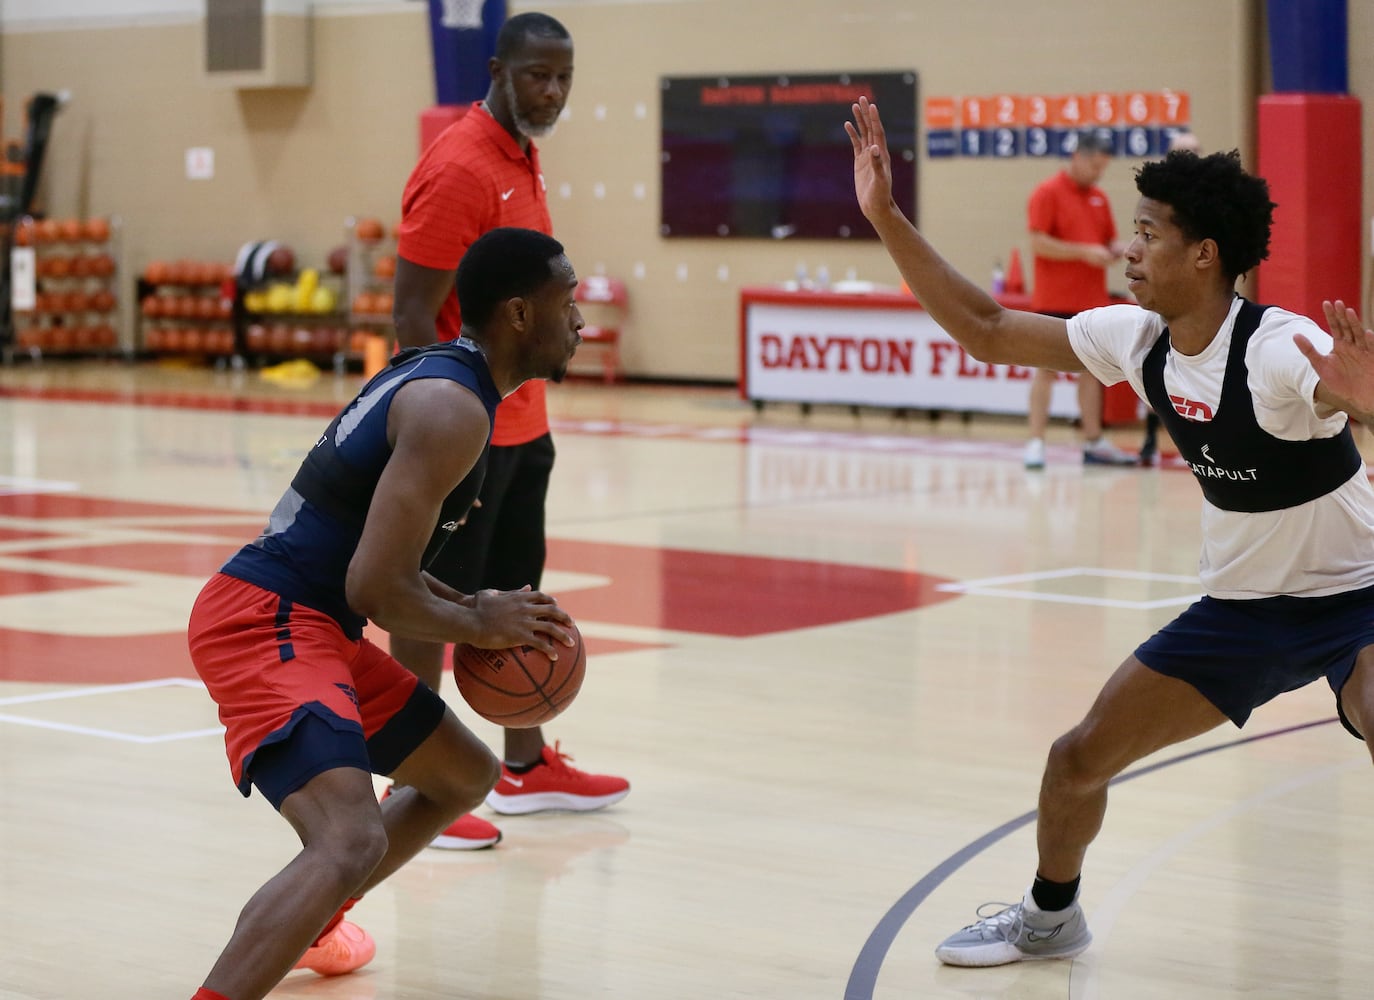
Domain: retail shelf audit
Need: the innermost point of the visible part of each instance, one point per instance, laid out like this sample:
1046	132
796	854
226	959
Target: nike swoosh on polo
505	195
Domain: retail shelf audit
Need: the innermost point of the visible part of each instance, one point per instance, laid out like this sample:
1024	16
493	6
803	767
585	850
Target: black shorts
501	546
1241	654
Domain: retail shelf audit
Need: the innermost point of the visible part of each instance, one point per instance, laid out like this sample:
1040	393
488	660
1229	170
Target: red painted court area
676	590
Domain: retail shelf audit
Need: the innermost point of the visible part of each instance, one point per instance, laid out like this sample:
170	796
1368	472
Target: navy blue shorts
319	741
1241	654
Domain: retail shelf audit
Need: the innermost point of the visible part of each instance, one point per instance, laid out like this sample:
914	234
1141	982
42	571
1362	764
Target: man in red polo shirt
480	173
1073	239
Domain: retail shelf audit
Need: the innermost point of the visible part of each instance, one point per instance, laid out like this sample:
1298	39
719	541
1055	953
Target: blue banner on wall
463	37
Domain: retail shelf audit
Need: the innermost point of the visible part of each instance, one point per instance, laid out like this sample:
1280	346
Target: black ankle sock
522	768
1054	895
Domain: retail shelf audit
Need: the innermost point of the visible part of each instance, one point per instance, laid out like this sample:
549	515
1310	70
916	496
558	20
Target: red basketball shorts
296	695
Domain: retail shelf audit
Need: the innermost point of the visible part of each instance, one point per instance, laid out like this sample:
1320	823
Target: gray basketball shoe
1019	933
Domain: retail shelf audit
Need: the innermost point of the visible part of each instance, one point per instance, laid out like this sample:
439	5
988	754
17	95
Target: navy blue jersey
304	552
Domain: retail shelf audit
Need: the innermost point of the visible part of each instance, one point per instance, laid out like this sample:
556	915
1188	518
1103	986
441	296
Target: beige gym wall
292	164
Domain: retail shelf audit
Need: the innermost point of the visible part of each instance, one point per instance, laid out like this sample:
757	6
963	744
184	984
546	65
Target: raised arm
1347	373
968	314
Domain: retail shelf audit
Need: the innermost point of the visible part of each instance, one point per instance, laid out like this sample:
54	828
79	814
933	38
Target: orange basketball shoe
466	833
346	948
554	784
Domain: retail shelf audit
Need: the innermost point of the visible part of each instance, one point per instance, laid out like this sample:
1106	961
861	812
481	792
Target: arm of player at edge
988	331
1347	373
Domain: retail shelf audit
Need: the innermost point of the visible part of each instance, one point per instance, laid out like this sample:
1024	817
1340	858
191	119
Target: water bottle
999	278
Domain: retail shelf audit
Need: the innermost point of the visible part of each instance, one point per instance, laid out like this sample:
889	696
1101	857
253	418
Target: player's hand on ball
524	617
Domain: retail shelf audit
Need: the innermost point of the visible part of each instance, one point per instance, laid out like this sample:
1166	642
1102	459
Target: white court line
992	587
109	734
102	689
22	484
1083	976
1097	602
1060	574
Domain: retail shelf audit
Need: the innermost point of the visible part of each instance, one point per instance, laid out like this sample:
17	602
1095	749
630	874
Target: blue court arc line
864	976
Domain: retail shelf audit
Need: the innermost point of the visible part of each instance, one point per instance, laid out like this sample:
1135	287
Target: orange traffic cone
1016	278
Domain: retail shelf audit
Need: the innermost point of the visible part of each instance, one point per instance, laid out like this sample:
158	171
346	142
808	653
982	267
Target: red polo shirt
472	178
1062	208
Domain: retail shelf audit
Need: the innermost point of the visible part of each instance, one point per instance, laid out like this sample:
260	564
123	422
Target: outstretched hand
1348	371
872	161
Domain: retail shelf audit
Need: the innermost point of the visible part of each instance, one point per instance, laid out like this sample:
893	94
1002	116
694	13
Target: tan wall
291	164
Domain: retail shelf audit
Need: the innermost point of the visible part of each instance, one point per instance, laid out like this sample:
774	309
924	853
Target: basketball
338	260
520	687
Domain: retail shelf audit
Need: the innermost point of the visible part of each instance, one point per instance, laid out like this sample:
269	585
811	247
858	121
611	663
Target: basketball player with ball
1257	400
311	708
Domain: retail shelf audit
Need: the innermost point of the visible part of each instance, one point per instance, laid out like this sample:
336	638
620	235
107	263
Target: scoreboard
1138	123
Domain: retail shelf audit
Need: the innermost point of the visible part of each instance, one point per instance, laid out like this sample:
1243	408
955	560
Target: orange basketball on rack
23	233
102	265
520	687
385	267
46	231
102	300
157	272
369	230
97	230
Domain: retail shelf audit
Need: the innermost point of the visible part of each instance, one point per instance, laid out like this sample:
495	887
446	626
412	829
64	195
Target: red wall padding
1309	152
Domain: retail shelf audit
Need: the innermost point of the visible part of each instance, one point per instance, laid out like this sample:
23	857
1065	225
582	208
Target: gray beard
523	125
532	131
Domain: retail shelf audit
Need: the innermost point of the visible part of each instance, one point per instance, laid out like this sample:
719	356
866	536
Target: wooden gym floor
830	652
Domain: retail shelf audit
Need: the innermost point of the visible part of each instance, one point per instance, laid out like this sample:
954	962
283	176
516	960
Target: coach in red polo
481	173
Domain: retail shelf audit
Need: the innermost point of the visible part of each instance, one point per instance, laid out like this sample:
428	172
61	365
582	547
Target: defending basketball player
1256	399
311	708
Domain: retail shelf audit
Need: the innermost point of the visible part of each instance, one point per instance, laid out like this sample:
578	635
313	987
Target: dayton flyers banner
889	357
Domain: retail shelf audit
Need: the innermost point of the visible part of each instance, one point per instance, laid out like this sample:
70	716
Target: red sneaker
554	784
346	948
466	833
